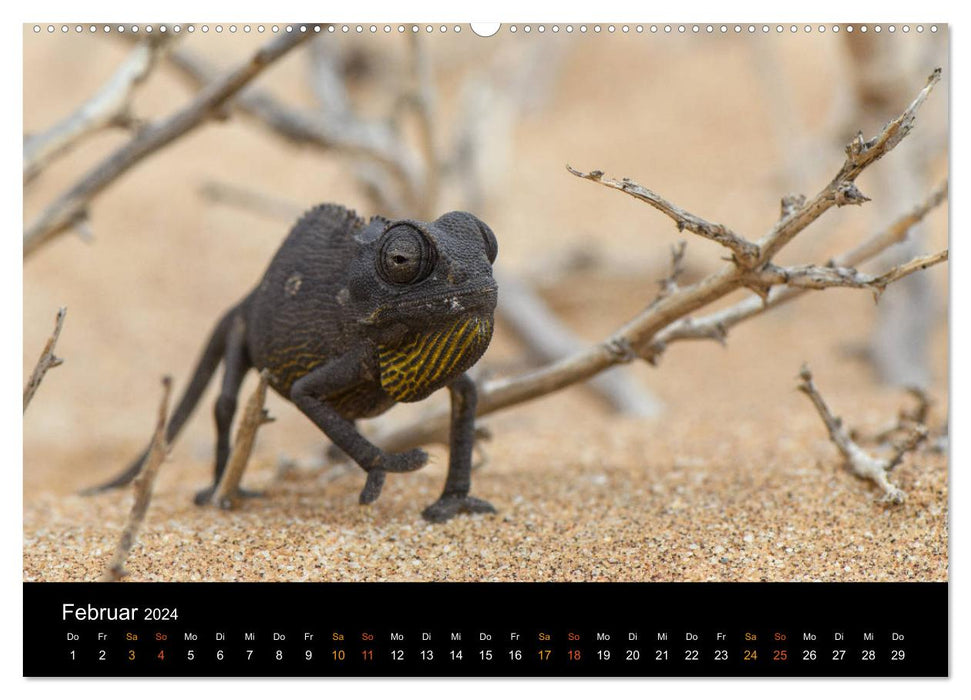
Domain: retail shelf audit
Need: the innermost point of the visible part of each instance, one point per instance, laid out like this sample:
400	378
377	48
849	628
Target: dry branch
715	326
825	276
142	485
668	319
841	191
110	106
547	338
254	415
47	359
373	141
897	231
71	207
861	462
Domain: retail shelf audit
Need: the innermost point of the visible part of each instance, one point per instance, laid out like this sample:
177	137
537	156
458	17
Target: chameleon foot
447	507
372	487
404	462
204	497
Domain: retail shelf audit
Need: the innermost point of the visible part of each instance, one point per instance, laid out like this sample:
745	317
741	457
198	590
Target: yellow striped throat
426	362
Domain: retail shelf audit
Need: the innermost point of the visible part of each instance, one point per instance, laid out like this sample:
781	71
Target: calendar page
441	349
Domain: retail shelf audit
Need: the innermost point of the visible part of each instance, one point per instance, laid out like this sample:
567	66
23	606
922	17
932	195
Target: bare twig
251	201
254	415
841	191
71	206
110	106
862	463
47	359
745	252
906	421
825	276
669	285
143	484
876	73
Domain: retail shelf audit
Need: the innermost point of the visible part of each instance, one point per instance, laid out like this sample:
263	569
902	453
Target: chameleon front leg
328	380
455	498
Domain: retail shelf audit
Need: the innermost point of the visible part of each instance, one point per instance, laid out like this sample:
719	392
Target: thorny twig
72	206
841	191
254	415
862	463
143	484
47	359
825	276
745	252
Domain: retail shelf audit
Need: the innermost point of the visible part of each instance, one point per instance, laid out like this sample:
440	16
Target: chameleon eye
406	256
491	244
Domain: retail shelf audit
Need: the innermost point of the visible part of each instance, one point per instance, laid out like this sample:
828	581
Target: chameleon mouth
426	362
484	298
470	301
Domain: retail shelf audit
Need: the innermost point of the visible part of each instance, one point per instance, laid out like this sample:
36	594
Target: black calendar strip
435	629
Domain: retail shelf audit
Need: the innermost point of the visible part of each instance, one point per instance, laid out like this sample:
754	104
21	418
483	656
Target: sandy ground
735	481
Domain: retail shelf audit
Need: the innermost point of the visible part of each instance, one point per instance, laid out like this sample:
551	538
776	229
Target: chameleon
350	318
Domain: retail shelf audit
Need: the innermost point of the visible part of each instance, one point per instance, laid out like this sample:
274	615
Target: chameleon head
434	302
431	274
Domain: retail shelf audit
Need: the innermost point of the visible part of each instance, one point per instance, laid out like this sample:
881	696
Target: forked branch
668	319
863	464
841	190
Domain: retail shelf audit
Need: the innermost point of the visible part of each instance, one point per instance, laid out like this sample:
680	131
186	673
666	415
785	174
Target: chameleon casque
351	318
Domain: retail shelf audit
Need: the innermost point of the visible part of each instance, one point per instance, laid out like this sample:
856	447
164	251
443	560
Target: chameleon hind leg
309	395
455	498
236	364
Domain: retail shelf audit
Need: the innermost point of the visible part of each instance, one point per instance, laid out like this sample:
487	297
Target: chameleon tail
206	367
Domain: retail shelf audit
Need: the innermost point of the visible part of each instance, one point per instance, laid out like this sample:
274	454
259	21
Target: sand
735	481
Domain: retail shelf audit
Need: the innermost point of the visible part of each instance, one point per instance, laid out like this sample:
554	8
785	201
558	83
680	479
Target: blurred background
721	125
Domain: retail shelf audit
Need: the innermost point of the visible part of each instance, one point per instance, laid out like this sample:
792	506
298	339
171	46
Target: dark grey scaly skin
351	318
